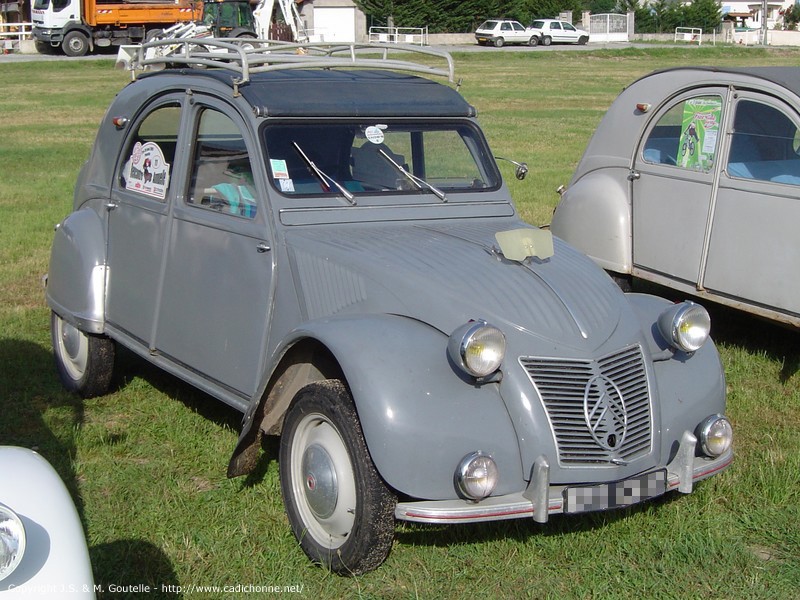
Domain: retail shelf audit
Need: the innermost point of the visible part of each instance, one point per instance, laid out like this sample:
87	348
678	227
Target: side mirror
521	168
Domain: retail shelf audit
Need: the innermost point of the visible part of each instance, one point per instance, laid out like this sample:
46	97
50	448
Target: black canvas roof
329	93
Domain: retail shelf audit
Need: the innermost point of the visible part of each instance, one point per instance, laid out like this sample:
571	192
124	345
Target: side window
555	26
506	27
151	153
569	27
518	27
686	135
222	176
764	144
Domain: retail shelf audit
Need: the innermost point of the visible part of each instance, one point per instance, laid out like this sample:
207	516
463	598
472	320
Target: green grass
146	464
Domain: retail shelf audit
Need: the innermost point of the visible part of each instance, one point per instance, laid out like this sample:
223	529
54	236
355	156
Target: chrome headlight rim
713	429
12	541
471	336
686	326
476	476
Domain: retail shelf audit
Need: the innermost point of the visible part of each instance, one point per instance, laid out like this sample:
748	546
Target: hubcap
320	481
73	349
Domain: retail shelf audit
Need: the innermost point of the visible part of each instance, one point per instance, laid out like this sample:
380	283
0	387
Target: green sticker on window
699	132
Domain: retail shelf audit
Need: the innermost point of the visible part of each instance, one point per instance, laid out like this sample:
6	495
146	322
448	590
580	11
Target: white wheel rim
73	349
323	482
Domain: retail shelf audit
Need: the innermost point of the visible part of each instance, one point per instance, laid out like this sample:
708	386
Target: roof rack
247	56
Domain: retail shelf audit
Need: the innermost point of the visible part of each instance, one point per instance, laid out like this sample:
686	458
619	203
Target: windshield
378	158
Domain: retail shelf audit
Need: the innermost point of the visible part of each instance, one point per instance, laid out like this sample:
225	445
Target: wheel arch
389	364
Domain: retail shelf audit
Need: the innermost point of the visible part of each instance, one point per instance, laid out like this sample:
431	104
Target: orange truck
77	26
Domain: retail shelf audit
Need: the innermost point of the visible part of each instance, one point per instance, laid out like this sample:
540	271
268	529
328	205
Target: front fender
419	417
594	216
691	387
77	274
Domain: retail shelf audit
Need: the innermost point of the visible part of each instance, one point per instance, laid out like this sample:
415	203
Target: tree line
462	16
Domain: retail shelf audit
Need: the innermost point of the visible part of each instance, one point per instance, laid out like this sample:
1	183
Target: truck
76	27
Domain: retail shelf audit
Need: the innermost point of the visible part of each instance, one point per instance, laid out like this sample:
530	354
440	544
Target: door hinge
634	175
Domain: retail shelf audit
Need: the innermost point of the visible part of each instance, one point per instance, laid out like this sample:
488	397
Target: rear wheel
75	44
498	43
85	362
340	509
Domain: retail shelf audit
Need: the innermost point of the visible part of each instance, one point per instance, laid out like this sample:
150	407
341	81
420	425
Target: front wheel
534	41
75	44
85	362
547	40
340	509
583	40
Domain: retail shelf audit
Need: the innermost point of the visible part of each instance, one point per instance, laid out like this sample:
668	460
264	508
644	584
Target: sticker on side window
147	171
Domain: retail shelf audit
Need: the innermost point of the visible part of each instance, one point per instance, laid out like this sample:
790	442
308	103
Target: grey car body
692	181
342	296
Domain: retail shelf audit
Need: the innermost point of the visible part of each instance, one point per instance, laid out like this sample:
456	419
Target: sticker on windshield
279	169
287	185
147	171
374	133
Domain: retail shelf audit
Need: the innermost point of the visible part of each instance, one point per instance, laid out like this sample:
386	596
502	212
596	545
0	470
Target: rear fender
77	275
594	216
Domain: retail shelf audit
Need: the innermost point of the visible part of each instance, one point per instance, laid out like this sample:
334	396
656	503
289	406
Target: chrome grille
574	392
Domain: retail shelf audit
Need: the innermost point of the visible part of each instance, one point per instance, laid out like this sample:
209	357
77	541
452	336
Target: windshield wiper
327	180
417	181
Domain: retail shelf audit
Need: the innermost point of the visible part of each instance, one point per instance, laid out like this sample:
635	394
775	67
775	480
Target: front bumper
48	36
540	499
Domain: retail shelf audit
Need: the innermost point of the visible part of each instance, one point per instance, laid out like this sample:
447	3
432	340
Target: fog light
12	541
716	435
476	476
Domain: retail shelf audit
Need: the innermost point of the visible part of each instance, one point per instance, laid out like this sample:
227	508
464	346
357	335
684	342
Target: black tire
624	282
85	362
339	508
547	40
583	40
534	41
152	34
498	43
44	47
75	44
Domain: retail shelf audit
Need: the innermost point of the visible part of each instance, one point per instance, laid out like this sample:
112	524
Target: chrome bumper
540	499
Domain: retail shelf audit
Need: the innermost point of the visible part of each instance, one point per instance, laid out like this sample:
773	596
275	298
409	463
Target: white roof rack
247	56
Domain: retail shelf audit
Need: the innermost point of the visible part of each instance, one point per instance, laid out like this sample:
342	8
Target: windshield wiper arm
417	181
326	179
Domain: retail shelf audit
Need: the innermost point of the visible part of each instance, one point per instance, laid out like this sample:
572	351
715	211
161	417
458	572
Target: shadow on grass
520	530
39	414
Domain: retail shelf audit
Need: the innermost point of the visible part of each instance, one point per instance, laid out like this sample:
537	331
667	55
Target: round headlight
686	326
478	348
476	476
12	541
716	435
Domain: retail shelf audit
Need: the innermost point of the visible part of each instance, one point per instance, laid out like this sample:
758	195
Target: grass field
146	464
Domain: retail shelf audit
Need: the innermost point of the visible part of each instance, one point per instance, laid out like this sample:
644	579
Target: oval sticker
374	134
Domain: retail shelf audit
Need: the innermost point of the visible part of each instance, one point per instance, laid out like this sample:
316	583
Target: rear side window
687	135
151	153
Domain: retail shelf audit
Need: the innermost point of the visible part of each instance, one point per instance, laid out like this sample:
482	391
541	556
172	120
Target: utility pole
764	22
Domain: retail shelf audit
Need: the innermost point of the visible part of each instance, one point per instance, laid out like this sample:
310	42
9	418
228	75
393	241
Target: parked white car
547	31
499	32
42	546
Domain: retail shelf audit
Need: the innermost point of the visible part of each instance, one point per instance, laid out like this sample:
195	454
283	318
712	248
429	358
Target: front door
754	247
215	304
672	187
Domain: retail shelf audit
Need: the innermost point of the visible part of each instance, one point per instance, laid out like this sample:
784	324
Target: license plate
615	495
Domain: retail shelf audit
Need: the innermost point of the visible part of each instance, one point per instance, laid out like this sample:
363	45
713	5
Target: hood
446	274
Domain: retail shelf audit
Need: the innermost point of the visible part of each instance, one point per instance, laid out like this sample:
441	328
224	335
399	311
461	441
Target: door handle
263	247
